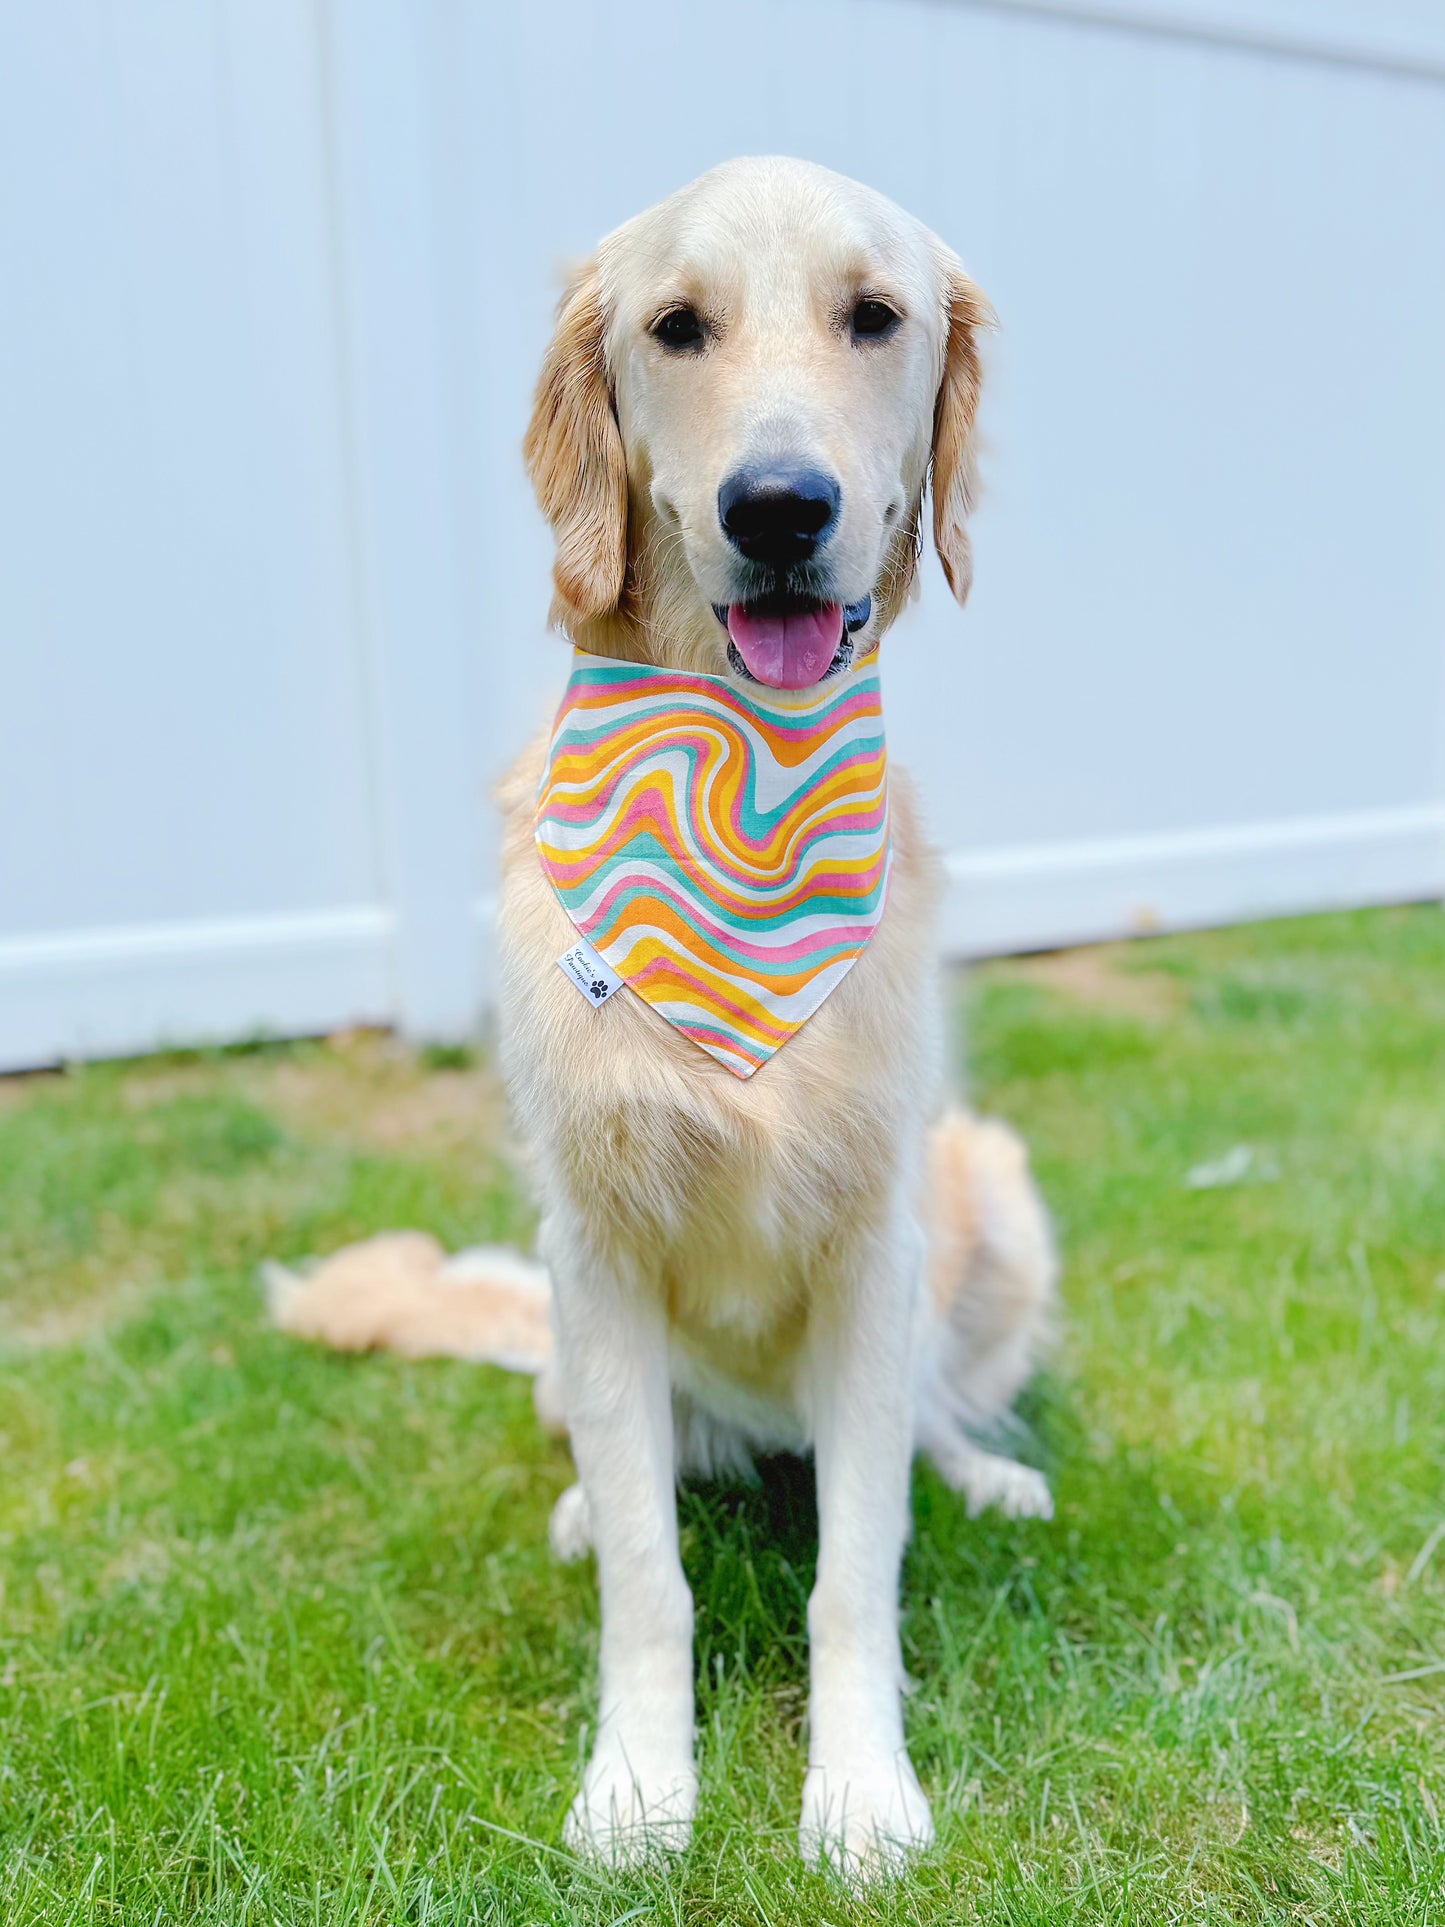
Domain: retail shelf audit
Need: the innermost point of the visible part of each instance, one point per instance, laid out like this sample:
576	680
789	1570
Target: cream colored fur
817	1258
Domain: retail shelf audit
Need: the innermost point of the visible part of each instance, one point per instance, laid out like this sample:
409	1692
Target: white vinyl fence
275	276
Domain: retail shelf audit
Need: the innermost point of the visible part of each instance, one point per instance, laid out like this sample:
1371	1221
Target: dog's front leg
862	1803
640	1786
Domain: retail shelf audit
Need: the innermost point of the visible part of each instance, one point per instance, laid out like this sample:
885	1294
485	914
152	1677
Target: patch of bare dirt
87	1305
363	1090
1099	978
162	1083
370	1090
19	1087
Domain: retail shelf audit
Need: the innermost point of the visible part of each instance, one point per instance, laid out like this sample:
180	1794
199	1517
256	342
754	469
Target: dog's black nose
778	515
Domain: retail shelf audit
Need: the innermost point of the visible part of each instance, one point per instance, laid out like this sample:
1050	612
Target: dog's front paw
631	1806
866	1819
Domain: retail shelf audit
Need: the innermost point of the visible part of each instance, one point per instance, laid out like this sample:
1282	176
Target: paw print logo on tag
595	979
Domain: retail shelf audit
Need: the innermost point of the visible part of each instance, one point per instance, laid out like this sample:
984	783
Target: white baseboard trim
108	992
1046	896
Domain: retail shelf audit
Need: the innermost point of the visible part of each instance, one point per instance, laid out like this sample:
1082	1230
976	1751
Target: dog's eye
872	319
678	328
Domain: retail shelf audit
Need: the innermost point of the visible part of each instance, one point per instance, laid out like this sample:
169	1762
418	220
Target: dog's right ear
574	456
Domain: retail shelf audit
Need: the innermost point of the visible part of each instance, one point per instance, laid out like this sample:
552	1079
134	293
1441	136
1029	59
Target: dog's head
737	417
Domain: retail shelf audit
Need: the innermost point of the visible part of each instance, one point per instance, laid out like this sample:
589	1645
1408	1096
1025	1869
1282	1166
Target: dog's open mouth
791	641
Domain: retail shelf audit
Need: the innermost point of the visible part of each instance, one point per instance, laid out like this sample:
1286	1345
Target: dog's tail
992	1289
401	1293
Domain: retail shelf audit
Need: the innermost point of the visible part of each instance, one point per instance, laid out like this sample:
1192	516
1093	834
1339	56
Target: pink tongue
787	652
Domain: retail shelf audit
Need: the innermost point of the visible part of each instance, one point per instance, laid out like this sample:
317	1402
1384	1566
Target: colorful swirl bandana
723	848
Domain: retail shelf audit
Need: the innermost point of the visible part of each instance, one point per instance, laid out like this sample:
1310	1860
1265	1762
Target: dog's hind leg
992	1274
569	1530
986	1478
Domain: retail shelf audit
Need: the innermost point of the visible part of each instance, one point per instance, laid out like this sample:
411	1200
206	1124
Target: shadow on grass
750	1551
1137	1531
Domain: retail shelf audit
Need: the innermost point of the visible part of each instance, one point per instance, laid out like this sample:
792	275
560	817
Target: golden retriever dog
748	391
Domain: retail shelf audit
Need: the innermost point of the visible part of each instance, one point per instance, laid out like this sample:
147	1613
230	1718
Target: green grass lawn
281	1640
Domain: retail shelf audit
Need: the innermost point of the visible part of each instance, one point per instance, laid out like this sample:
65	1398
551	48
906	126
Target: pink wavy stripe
709	690
584	814
783	1028
573	870
727	1050
710	999
850	935
669	832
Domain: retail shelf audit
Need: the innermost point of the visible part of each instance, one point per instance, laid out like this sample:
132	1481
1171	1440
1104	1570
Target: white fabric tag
593	978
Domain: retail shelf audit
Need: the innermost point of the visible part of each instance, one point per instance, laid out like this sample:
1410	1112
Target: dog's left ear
954	467
574	456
